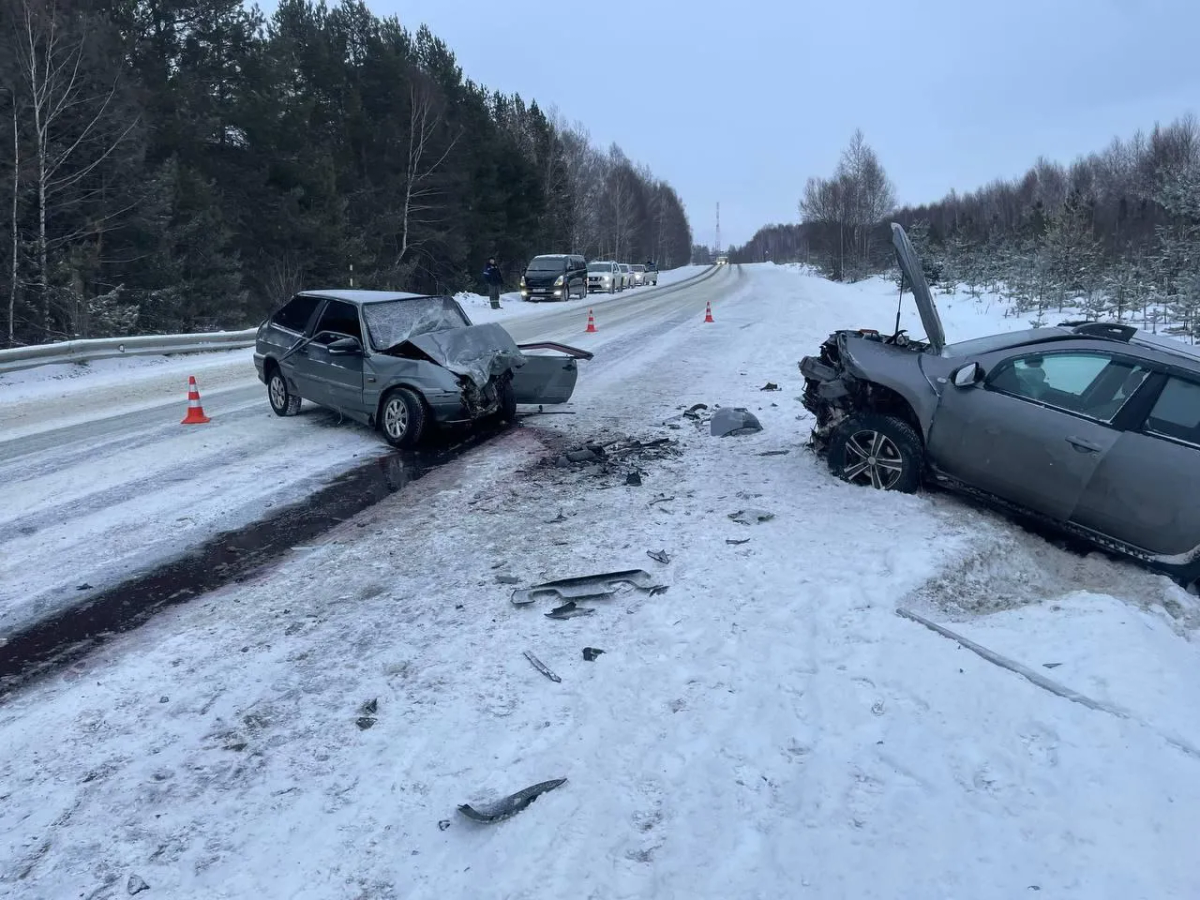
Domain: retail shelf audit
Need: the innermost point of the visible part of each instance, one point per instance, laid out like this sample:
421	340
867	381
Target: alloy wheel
278	391
873	458
395	418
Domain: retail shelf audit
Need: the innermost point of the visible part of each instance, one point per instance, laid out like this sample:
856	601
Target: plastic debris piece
570	610
733	422
541	667
751	516
510	805
582	586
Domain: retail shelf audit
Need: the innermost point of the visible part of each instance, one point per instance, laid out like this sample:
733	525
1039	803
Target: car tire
402	418
508	402
862	442
283	401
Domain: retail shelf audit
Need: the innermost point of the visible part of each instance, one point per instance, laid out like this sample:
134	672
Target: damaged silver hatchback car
1092	428
401	362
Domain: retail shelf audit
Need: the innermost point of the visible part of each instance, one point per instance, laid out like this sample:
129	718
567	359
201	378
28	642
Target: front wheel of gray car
508	403
402	418
877	451
283	401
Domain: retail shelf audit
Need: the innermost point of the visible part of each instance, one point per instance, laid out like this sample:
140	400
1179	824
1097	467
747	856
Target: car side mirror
967	376
345	346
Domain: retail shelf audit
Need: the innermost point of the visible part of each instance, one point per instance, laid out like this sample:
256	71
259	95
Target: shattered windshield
393	322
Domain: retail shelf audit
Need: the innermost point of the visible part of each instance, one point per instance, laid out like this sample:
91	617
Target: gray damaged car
1093	428
403	362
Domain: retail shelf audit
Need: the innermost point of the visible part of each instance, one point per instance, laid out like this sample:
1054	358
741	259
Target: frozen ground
766	728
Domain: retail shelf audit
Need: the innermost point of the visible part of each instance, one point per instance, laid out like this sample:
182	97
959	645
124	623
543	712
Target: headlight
522	281
558	281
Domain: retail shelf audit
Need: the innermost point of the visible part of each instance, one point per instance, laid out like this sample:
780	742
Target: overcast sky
739	102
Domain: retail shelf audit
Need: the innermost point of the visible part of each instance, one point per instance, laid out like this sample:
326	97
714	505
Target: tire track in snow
37	463
93	502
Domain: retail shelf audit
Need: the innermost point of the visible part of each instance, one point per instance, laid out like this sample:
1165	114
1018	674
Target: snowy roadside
143	379
766	727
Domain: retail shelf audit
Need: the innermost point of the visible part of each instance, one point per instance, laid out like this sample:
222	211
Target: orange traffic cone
591	329
195	414
708	312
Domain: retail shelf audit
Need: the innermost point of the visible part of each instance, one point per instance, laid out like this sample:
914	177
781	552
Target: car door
1034	431
547	378
1143	491
336	379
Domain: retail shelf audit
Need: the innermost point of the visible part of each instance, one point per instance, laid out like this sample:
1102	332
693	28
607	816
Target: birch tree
69	121
426	125
14	281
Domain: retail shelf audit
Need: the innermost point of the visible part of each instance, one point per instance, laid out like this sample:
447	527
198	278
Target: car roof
1157	347
1167	345
363	297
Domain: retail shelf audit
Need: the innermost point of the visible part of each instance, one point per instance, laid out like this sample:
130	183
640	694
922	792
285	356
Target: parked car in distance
403	362
1092	428
627	273
604	276
558	276
639	274
651	276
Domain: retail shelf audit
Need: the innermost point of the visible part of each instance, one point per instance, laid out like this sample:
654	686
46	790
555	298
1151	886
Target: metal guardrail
18	358
108	348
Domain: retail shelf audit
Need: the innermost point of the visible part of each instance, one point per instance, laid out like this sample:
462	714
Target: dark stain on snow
232	556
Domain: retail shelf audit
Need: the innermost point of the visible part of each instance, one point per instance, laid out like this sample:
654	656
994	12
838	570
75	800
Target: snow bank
45	382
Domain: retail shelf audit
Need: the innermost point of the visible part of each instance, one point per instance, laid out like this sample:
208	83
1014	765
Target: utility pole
718	250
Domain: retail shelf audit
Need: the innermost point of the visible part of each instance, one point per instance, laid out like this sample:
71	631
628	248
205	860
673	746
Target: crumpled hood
910	265
480	352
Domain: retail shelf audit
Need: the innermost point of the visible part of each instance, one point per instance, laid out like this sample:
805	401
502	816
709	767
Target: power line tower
718	248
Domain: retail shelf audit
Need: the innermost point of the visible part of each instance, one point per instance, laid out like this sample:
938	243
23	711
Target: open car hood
480	352
910	265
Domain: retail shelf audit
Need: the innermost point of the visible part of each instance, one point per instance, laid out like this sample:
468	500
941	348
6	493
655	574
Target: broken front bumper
823	383
448	407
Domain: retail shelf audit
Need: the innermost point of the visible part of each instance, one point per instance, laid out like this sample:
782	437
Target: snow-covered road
768	727
98	480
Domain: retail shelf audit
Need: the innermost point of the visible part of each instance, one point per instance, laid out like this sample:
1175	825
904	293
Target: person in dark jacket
493	278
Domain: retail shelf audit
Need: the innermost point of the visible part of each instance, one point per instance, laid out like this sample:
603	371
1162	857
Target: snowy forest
184	165
1115	234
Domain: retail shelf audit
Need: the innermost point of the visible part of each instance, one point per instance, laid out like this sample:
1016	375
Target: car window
1177	412
547	264
1089	383
296	312
340	318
